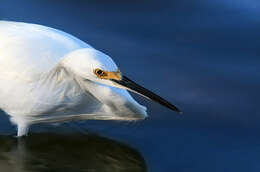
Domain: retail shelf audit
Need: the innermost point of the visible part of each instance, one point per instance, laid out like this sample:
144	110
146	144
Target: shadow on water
67	153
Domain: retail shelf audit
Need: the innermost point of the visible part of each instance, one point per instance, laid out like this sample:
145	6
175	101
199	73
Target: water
46	151
201	55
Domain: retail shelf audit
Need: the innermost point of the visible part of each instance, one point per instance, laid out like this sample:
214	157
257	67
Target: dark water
203	55
57	152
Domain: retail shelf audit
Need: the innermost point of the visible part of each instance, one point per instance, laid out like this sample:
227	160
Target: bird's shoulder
28	50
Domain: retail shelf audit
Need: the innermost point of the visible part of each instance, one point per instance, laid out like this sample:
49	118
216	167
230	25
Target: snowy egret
47	75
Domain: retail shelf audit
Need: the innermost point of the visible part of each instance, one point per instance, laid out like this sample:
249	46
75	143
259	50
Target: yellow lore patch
108	75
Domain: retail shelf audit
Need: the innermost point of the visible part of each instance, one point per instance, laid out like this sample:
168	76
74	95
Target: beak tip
174	108
179	111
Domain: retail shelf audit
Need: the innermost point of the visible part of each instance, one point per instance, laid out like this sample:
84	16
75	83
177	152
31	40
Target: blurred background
202	55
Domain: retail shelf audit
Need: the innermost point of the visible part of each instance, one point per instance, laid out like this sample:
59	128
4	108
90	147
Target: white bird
47	75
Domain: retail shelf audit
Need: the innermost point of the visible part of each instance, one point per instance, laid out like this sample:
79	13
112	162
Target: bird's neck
59	82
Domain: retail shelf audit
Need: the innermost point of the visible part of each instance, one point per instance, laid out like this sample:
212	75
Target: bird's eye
99	72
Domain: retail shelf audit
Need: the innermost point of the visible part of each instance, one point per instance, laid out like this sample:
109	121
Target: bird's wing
28	50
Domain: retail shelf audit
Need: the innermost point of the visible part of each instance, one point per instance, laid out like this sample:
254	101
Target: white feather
46	75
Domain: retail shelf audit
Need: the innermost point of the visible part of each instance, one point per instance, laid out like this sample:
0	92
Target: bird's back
29	50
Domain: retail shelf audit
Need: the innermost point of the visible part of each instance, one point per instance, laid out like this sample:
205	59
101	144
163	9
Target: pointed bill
132	86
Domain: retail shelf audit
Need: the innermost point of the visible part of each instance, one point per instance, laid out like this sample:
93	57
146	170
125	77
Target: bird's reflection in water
67	153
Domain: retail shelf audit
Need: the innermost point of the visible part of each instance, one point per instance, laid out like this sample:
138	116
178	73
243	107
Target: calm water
203	55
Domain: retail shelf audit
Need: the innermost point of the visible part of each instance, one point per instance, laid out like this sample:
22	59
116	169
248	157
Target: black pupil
99	72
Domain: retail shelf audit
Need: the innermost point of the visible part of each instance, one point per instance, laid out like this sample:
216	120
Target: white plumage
47	75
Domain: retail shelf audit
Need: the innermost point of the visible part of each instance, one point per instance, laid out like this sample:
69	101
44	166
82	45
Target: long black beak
132	86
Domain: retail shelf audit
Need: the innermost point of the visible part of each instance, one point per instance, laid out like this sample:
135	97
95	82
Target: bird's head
106	82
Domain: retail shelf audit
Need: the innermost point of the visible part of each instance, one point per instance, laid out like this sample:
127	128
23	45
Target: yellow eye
99	72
